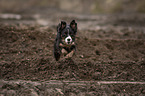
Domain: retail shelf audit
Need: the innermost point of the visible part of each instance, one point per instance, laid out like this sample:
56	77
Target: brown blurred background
79	6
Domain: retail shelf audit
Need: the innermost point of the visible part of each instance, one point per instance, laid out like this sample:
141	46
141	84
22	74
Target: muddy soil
107	50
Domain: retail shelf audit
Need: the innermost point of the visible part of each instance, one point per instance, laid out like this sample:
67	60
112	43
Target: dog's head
67	32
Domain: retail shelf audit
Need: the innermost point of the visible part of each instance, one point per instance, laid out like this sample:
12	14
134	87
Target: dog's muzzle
68	40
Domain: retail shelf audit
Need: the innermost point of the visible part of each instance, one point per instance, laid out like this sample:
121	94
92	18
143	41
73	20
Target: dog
64	44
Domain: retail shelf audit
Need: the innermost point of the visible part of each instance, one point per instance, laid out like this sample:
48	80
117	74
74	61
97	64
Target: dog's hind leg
56	52
57	56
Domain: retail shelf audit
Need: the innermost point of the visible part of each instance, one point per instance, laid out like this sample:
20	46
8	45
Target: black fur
63	30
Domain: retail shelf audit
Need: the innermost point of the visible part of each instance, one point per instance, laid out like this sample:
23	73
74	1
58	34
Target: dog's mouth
68	42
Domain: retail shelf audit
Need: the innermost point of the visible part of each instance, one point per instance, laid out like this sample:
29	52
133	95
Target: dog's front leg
69	55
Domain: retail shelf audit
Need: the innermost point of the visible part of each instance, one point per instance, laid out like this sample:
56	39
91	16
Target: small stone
72	94
81	56
10	93
1	94
33	92
66	73
82	94
91	94
50	92
59	90
96	75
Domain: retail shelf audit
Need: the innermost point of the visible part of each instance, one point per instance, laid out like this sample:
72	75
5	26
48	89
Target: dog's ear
73	25
61	26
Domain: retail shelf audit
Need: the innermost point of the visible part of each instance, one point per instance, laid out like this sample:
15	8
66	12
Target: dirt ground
107	50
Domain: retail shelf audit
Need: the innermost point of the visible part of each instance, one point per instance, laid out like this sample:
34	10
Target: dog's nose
68	39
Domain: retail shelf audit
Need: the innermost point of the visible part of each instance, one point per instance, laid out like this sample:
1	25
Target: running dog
64	44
